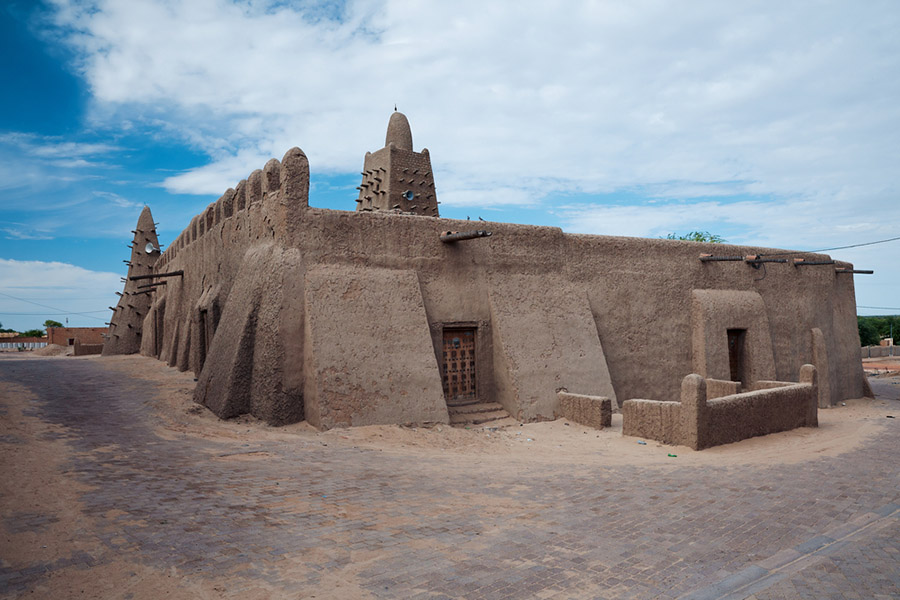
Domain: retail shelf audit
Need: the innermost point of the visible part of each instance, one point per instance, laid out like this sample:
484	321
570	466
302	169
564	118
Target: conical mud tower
396	178
124	335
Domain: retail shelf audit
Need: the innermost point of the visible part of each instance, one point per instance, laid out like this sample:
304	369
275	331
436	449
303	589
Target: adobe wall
699	422
586	314
761	412
642	292
878	351
592	411
237	275
85	335
386	375
80	349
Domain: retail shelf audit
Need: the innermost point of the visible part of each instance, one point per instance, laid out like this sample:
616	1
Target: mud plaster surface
35	480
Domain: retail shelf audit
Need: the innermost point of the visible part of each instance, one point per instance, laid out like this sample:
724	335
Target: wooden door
458	368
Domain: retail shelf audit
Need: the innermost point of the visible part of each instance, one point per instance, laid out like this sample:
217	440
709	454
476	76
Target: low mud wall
878	351
86	349
658	420
716	388
700	422
592	411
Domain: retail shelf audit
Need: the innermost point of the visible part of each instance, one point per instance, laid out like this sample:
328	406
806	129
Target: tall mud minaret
396	178
124	335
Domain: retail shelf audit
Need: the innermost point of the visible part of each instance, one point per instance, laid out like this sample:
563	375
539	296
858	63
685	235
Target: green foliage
698	236
868	335
52	323
6	330
873	329
32	333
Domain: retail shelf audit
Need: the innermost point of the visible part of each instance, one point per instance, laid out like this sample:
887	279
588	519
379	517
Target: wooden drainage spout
757	259
450	237
153	275
750	258
711	258
802	262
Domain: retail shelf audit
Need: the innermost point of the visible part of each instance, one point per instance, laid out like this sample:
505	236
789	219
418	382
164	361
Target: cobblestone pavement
392	525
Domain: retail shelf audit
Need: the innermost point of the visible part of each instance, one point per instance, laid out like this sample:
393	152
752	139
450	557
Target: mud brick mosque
391	314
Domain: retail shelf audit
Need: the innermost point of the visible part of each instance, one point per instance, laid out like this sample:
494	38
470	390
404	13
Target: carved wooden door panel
458	368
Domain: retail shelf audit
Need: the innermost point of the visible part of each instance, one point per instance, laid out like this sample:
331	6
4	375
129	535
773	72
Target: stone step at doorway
459	402
476	413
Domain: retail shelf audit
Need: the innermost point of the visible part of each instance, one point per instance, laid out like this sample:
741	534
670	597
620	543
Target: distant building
84	340
68	336
28	343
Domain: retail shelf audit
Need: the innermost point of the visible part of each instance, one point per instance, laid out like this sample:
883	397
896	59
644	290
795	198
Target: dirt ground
885	365
840	429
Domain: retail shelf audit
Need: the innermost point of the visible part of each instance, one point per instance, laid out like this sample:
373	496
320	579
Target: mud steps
476	413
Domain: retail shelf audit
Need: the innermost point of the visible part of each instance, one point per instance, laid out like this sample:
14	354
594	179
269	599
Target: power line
59	312
51	314
878	307
859	245
79	298
893	239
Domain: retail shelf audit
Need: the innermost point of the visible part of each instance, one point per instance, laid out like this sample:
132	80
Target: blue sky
767	124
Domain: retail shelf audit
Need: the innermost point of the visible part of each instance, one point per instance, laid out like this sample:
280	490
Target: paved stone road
827	528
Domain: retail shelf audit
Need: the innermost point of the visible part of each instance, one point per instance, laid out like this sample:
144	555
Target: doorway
203	336
736	355
158	330
458	366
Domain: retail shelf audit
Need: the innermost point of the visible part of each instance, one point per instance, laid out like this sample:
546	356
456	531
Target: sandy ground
36	481
55	350
840	429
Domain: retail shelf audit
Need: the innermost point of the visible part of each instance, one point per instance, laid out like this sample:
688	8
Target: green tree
868	334
6	330
873	329
52	323
698	236
32	333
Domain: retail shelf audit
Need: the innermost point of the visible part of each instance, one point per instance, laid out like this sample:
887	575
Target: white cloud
54	147
36	162
778	122
596	96
50	190
117	200
68	150
34	291
487	196
21	231
796	223
209	179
